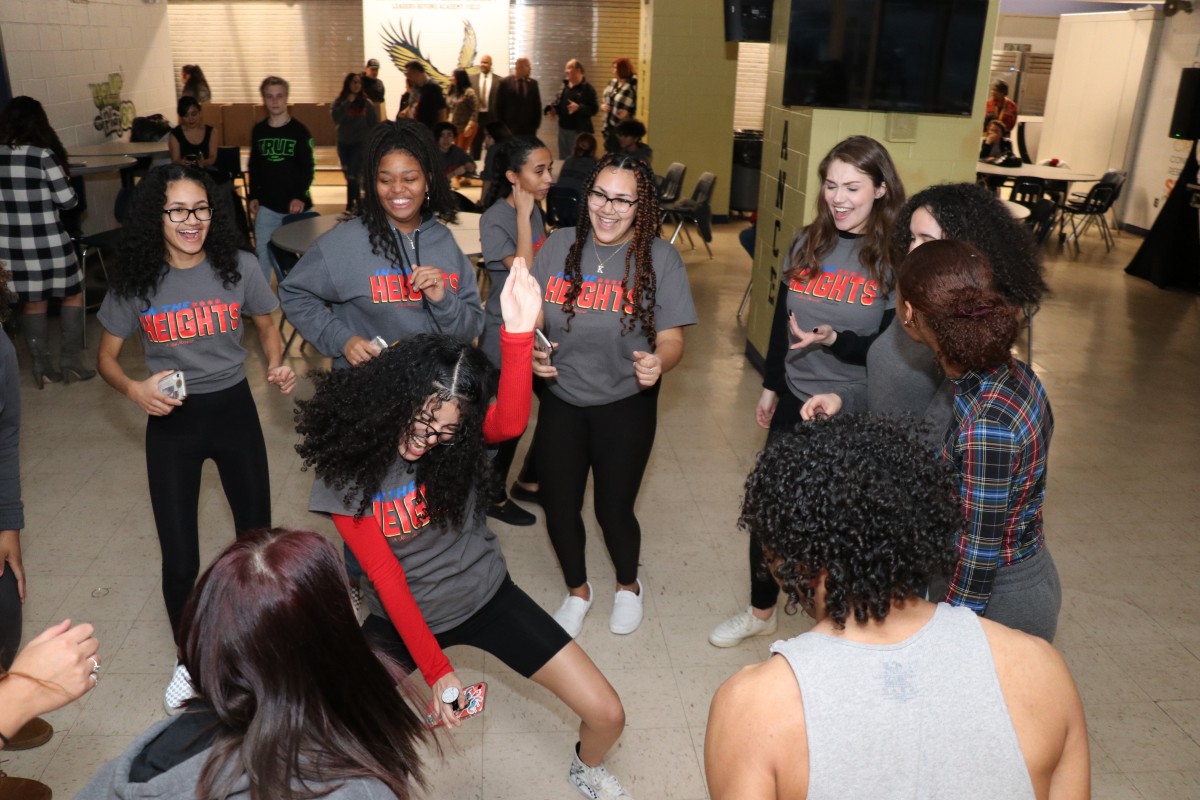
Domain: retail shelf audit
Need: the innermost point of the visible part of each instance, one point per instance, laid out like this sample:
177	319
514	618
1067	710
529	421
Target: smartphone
470	704
174	386
540	342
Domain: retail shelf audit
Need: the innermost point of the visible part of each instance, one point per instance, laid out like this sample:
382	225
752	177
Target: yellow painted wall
686	80
945	149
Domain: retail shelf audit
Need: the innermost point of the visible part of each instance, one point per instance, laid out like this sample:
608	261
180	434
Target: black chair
283	261
1022	147
696	210
1090	211
96	244
1027	191
464	203
1114	176
672	183
1041	220
562	207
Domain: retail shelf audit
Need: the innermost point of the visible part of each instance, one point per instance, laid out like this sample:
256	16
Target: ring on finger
95	663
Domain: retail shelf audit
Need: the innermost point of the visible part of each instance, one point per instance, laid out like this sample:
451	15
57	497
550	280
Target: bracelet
4	739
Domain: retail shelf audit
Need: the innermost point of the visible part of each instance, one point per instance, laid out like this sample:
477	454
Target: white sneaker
741	626
572	611
179	691
627	611
596	782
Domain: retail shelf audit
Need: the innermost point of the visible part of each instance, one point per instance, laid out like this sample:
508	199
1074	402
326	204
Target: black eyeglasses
423	429
202	213
598	200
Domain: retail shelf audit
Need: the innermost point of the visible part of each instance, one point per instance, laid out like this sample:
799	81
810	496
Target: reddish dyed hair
819	238
950	283
270	640
624	68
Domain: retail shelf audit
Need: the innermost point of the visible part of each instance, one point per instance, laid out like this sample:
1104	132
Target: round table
98	164
132	149
1036	171
297	237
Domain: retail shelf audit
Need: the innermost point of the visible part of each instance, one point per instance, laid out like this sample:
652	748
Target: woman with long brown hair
838	275
34	187
616	333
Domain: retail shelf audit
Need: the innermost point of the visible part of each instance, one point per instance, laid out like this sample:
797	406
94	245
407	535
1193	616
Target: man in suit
519	103
486	86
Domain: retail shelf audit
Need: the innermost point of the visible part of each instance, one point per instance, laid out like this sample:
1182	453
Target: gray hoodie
112	781
368	297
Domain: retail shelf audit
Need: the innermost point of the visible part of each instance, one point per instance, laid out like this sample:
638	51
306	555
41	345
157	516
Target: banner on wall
444	36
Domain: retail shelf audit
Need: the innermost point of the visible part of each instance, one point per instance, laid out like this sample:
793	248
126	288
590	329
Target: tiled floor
1119	358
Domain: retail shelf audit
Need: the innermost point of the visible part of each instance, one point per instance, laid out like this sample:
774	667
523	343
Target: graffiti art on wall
115	115
402	47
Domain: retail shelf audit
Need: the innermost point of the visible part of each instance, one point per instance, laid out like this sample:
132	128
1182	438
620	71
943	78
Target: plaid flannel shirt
999	444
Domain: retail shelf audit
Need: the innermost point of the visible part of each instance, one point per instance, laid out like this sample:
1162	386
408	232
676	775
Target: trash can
747	162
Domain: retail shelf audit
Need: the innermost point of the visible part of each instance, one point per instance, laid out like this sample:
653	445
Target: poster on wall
444	36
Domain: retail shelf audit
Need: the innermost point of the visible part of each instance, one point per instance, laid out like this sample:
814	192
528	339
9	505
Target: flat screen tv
910	56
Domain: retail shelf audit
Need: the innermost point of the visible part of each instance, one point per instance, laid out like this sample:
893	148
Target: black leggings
614	442
764	591
506	451
222	426
10	618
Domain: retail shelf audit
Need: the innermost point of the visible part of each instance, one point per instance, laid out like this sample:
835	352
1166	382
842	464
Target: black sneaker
512	514
519	492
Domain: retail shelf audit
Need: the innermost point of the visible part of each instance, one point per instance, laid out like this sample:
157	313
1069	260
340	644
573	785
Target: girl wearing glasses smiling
185	289
616	301
399	445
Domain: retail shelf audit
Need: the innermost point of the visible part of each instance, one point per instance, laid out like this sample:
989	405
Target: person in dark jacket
519	101
574	107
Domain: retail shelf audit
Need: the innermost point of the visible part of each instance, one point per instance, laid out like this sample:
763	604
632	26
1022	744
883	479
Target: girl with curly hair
399	447
393	272
839	277
185	290
616	333
999	438
291	701
512	227
34	188
903	376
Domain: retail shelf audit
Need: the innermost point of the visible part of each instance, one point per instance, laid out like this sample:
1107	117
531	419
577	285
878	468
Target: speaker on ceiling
748	20
1185	122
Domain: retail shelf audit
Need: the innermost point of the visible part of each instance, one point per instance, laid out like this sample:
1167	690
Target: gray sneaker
596	782
741	626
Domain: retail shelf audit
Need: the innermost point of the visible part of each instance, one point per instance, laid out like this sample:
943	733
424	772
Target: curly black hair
856	499
644	284
973	214
143	250
411	137
353	425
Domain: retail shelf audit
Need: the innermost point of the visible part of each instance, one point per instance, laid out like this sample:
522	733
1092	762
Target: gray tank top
923	718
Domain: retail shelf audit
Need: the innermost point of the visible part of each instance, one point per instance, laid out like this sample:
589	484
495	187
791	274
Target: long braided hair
410	137
638	260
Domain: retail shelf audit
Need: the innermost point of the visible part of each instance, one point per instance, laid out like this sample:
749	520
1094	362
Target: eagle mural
402	46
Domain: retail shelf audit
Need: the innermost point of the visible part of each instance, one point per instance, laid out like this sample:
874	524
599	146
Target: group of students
411	454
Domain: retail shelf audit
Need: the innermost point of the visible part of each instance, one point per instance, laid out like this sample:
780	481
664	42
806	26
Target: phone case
174	386
470	704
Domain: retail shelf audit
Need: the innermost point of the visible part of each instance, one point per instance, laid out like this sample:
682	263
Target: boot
23	789
34	328
34	733
72	319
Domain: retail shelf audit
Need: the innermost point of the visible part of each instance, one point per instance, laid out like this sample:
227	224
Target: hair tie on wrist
4	739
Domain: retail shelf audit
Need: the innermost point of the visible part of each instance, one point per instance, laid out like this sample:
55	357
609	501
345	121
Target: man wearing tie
518	102
486	86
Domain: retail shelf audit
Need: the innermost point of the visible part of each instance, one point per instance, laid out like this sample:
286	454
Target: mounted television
910	56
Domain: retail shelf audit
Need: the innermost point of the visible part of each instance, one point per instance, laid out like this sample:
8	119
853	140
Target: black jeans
764	591
10	619
614	442
222	426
